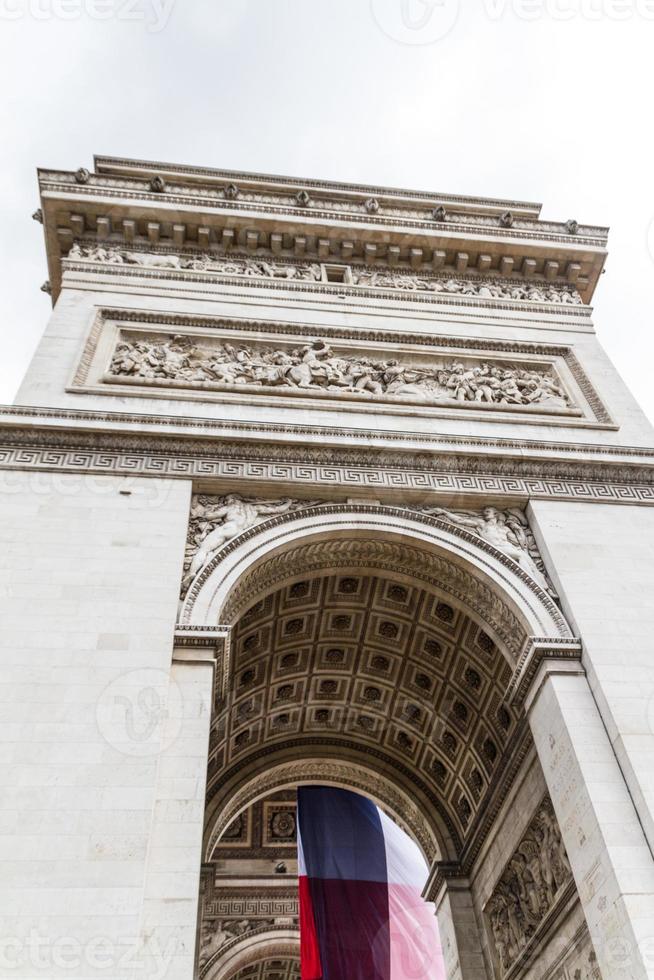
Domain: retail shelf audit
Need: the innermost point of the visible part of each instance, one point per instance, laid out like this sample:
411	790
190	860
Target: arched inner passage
403	544
249	902
270	969
368	671
252	950
368	653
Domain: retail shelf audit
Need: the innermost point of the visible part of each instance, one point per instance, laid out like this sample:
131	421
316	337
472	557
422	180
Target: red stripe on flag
310	966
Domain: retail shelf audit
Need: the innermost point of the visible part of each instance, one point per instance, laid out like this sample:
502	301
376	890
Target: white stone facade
320	483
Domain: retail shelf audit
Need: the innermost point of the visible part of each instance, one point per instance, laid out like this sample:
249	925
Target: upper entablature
163	207
324	189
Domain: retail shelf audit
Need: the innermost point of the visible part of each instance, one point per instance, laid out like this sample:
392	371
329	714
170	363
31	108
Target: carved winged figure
216	524
213	937
508	531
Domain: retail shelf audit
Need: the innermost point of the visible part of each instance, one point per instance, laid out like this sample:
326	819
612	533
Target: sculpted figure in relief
216	933
312	272
213	938
216	520
506	530
317	366
534	878
485	289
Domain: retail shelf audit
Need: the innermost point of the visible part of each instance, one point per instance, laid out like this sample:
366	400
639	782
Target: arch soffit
262	944
489	584
245	789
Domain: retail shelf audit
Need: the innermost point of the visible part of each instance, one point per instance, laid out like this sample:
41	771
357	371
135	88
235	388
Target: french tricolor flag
362	916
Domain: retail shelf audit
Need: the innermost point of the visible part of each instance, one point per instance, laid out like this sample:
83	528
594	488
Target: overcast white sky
542	100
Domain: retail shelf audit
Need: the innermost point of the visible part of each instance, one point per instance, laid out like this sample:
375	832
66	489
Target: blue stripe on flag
342	835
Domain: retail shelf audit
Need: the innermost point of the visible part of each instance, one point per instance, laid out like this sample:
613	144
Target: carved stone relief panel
214	521
318	369
397	280
533	883
214	359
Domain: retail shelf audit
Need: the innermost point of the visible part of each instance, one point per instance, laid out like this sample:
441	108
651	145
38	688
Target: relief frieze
318	369
534	880
402	280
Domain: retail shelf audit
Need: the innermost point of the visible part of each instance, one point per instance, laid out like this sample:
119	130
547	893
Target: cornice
538	650
386	228
108	165
216	455
41	421
352	208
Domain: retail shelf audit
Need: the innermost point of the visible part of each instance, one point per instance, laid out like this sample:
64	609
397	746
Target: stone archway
264	954
279	775
378	649
461	563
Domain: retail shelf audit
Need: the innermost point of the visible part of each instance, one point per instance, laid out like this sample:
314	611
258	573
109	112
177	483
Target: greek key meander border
159	463
372	455
590	394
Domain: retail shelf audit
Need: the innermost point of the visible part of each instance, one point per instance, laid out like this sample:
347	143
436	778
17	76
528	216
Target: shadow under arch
271	774
253	948
491	588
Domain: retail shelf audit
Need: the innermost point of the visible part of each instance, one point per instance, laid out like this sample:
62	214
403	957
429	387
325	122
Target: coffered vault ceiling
369	667
270	970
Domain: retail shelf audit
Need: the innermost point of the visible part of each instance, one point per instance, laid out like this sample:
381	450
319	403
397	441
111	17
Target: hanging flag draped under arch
362	916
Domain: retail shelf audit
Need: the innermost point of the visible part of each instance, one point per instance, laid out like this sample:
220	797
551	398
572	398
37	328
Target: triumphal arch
321	483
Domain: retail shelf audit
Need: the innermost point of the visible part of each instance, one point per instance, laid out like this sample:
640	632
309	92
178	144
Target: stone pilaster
611	862
172	882
460	936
